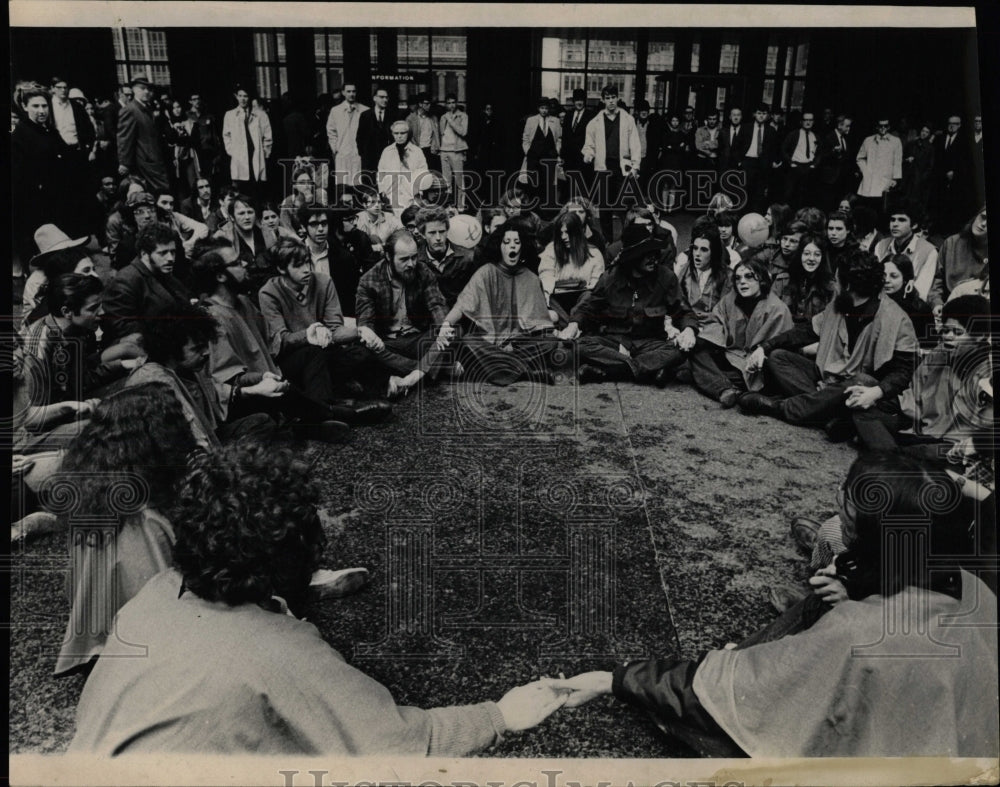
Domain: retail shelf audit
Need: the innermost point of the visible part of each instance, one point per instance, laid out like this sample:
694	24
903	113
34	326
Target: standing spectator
978	164
918	168
399	167
185	171
612	145
374	133
209	149
454	126
246	134
110	111
834	165
798	152
758	158
952	181
424	131
650	128
541	139
78	136
37	192
295	125
706	140
342	132
487	149
733	142
141	147
880	160
574	134
675	147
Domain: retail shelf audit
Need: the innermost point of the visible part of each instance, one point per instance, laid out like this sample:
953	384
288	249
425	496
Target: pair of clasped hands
526	706
857	397
319	335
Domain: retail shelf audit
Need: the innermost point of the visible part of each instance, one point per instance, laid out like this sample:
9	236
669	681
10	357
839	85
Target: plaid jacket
425	305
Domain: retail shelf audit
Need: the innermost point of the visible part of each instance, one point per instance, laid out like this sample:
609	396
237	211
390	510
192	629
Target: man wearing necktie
758	159
952	187
574	134
834	165
798	152
342	132
374	132
246	134
541	140
732	141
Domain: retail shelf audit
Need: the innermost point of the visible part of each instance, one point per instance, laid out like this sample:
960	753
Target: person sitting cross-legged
864	360
513	335
748	314
245	674
400	312
307	336
176	342
626	311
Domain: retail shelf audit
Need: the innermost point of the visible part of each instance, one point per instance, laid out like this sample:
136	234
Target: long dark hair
577	252
529	254
136	443
820	279
892	487
720	257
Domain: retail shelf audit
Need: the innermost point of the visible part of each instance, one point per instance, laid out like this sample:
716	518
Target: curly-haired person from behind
246	675
133	451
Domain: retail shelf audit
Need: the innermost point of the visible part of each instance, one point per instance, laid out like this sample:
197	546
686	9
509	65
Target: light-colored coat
880	161
629	145
235	140
395	180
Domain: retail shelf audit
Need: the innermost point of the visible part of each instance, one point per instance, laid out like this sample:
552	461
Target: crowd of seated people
230	324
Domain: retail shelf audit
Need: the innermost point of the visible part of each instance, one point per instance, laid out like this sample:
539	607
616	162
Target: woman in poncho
889	655
747	315
512	332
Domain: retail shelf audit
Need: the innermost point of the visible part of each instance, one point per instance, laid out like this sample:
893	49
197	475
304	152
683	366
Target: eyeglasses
746	277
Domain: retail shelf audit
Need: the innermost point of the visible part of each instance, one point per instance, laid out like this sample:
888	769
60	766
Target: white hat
75	92
464	231
49	238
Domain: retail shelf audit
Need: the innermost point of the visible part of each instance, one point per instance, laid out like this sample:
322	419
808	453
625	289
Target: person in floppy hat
52	242
625	317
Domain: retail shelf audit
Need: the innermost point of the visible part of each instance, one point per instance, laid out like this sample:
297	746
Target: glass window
141	51
771	65
660	56
767	94
789	59
612	55
798	92
695	57
269	61
372	47
412	50
729	59
801	59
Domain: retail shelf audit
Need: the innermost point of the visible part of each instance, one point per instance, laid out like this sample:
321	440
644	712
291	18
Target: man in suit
732	141
650	128
374	132
798	154
758	157
574	134
541	140
835	165
140	144
612	144
952	178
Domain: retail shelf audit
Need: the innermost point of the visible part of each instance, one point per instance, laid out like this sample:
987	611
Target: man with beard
400	311
176	340
245	376
865	359
452	266
627	310
146	284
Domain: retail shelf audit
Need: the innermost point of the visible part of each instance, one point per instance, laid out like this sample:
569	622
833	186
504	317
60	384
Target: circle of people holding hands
259	322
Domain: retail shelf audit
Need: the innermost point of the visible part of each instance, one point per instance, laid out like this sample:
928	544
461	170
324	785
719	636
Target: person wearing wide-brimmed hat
624	317
52	242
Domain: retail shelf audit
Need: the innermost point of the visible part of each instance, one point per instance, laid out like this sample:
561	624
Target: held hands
827	585
685	340
570	332
270	386
370	339
583	688
755	361
525	706
445	335
862	397
319	335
